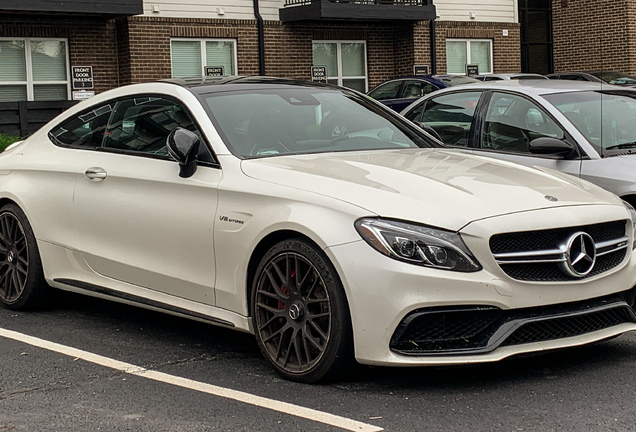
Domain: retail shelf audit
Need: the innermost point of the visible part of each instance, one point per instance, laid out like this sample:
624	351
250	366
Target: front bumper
397	308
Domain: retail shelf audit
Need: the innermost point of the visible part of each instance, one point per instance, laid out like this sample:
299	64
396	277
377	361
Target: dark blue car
398	93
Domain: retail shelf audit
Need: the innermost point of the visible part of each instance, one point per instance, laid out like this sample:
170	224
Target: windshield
281	121
607	119
616	78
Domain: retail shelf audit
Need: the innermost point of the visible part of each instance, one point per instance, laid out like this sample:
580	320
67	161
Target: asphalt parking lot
97	365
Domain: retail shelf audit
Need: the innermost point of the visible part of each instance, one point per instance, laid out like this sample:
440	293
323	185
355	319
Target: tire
22	284
300	312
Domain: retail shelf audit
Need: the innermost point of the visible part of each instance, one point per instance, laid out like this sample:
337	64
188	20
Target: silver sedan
584	129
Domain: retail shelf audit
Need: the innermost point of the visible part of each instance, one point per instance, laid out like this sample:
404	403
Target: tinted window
85	130
451	116
415	113
142	125
388	90
513	121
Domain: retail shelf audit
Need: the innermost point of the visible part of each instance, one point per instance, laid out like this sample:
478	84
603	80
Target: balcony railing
311	10
364	2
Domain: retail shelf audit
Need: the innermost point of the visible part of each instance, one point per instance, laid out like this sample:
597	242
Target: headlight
632	216
417	244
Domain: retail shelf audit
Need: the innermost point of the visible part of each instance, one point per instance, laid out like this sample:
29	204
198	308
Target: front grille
481	329
448	329
548	272
541	255
559	328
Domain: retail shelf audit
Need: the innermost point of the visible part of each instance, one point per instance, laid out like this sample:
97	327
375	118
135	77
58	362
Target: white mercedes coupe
315	218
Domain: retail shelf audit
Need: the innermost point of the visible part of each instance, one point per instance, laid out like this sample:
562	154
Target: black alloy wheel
301	317
22	282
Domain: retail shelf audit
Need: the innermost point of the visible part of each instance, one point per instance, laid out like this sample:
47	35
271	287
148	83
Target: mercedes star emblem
580	255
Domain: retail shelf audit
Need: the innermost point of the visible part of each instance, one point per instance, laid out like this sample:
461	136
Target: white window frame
203	53
468	60
339	76
29	83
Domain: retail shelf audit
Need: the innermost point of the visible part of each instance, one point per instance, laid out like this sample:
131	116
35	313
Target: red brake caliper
283	288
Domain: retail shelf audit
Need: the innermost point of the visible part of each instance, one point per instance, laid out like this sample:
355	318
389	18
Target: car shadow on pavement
166	338
589	359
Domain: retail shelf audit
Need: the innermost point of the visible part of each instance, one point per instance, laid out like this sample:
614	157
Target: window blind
12	61
186	59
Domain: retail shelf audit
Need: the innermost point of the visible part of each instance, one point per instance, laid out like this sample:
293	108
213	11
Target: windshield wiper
622	146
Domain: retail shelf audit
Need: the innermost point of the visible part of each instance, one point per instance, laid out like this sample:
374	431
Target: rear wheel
22	284
301	316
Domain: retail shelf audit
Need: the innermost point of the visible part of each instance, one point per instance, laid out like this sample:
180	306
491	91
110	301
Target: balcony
108	8
315	10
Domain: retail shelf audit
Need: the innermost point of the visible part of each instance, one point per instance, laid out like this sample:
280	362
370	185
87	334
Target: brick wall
506	49
137	49
593	35
91	41
288	48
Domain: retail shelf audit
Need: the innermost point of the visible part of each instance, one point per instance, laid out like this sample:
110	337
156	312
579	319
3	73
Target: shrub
7	140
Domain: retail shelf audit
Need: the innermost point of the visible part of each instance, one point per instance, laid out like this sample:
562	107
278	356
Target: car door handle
96	173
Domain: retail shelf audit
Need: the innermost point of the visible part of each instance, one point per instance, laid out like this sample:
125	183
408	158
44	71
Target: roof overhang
308	10
107	8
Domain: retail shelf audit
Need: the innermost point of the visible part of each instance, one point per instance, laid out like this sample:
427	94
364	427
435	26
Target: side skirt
143	302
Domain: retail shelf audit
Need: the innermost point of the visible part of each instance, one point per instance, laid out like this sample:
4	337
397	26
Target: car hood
444	188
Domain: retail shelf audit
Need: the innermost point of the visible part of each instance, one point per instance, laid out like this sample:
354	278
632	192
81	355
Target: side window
451	116
416	89
513	121
142	125
415	113
85	130
386	91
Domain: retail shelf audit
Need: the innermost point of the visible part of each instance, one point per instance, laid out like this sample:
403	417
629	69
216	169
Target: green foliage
7	140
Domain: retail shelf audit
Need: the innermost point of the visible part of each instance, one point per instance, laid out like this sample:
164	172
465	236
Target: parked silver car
606	77
581	128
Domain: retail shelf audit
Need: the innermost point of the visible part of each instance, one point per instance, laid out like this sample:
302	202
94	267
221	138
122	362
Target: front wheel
22	284
300	312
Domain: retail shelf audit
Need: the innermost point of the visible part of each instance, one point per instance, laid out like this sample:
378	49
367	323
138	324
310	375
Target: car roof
203	85
538	87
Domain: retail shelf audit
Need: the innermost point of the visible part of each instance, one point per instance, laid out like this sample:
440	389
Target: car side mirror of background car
183	146
430	130
550	146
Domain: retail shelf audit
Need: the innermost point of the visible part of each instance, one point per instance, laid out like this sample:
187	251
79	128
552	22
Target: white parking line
283	407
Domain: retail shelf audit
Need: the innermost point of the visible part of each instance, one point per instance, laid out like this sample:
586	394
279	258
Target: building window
460	52
346	62
190	56
33	69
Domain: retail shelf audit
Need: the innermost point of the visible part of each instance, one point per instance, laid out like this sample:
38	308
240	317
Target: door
138	221
510	122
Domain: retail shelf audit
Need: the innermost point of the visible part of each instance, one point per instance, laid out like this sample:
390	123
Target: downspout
433	48
261	39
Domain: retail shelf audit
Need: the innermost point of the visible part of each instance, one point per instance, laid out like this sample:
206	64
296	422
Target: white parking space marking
283	407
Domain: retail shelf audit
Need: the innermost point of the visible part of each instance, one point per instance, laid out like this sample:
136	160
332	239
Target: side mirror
183	146
550	146
429	130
